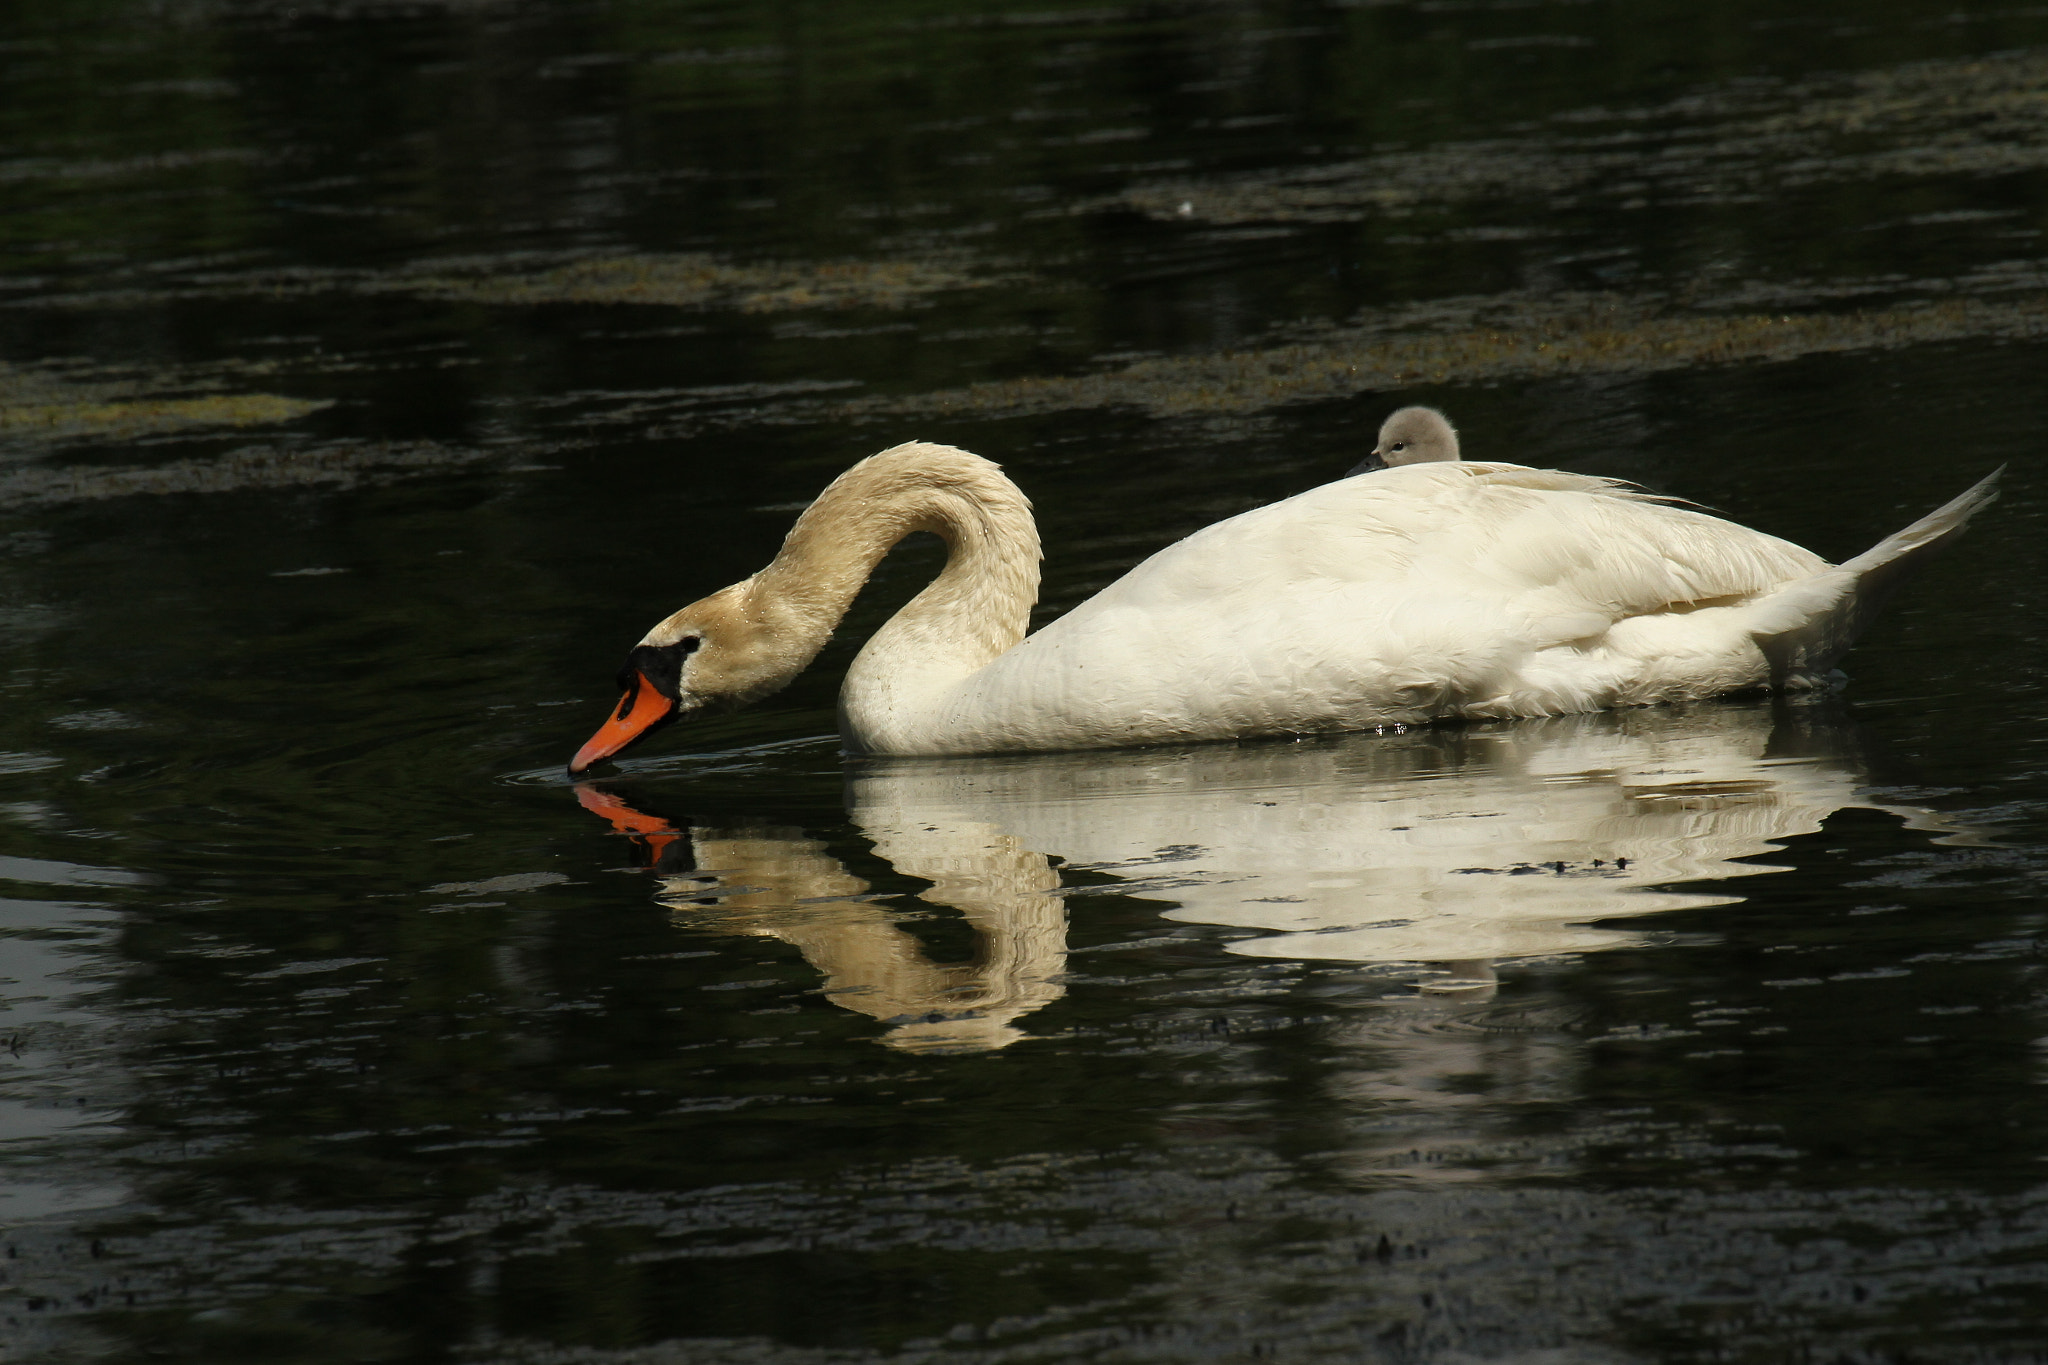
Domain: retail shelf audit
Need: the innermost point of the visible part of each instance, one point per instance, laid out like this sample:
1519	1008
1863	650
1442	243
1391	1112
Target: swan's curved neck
974	611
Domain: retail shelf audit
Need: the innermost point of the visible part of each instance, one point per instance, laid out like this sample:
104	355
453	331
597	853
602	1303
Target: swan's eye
1399	445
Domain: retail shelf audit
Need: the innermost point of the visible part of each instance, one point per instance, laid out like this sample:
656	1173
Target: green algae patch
52	404
88	417
1529	341
352	465
704	282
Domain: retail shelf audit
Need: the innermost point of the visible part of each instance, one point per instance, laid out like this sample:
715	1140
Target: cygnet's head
1416	436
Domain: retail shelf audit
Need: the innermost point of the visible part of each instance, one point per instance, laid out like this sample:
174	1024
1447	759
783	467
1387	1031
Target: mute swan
1436	590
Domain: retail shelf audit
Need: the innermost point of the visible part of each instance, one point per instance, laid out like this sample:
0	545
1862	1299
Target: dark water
374	374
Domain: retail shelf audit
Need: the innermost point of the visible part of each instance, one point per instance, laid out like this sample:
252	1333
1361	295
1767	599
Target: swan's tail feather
1803	627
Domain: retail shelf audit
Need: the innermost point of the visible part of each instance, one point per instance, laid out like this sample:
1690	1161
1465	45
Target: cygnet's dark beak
1367	465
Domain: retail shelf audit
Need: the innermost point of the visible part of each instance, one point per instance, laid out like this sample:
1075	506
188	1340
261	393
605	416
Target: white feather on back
1401	595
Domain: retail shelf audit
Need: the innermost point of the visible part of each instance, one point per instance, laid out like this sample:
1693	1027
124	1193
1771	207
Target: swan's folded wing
1399	596
1500	555
1577	554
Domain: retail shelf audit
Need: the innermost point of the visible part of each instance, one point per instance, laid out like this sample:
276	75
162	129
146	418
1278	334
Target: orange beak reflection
640	711
651	832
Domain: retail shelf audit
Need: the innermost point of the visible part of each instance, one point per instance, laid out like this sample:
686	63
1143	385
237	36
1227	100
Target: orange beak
640	711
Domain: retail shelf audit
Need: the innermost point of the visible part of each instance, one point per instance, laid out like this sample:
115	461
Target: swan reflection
778	882
1458	847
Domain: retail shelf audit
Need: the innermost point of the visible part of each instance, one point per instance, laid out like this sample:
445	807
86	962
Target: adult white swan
1424	591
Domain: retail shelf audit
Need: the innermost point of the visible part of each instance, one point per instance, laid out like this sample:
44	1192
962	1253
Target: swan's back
1484	528
1403	595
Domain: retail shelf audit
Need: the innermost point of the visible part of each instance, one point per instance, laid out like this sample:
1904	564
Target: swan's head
726	650
1413	436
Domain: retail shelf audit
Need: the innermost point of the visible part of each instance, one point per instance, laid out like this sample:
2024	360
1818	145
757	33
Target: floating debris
156	163
704	281
1520	337
45	405
692	280
345	466
141	417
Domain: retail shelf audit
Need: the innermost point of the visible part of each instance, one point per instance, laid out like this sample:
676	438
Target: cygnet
1411	436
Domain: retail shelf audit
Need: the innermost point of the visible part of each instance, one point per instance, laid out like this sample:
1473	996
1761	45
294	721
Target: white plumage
1417	593
1427	591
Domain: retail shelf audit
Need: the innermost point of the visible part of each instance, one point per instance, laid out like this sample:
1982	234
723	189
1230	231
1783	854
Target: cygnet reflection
780	883
1456	845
